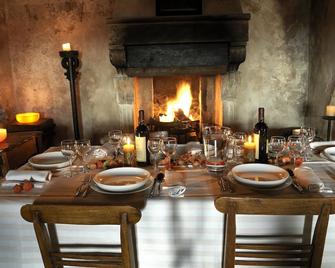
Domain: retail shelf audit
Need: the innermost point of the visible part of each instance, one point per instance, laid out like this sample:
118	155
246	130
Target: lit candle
66	47
330	110
249	150
128	153
26	118
3	134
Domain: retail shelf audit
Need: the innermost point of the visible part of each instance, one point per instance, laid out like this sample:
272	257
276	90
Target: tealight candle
330	110
3	134
66	47
128	152
249	150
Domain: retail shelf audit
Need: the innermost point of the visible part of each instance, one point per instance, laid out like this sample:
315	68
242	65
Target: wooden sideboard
17	149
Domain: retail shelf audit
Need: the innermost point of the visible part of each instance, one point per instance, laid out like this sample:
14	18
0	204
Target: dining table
174	231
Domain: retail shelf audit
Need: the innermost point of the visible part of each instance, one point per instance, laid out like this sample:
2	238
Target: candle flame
249	139
128	140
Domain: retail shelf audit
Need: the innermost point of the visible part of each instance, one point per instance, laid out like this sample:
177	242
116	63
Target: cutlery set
83	188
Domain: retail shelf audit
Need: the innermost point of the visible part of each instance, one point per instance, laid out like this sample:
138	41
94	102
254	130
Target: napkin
21	175
306	177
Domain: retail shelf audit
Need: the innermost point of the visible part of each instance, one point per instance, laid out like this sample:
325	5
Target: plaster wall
322	67
274	75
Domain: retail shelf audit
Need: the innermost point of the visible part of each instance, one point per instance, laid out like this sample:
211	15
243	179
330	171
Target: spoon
159	179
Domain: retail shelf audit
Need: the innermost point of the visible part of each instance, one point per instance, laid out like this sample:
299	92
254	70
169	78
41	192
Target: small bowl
27	118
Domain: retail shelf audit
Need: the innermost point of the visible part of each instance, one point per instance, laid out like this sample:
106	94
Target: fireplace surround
180	44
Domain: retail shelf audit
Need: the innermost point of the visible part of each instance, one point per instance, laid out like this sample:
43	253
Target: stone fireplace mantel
178	45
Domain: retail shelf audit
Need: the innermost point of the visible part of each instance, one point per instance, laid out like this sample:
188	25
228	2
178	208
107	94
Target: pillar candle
249	150
66	47
330	110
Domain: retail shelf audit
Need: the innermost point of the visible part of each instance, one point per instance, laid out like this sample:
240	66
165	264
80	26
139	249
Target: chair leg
307	231
319	236
224	239
127	244
134	239
54	242
230	237
43	240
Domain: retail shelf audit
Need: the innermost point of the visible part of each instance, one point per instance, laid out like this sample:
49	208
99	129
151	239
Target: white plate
122	179
330	153
260	175
317	145
50	160
146	186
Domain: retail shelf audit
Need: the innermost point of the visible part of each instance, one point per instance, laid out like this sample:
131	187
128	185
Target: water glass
168	146
214	149
239	140
82	146
113	144
68	149
276	145
308	135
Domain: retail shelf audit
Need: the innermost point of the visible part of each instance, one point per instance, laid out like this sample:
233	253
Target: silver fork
226	185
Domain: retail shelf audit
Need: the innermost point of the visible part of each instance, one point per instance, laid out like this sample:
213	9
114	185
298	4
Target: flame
182	101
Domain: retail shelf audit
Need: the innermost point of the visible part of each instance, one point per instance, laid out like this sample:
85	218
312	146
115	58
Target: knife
296	186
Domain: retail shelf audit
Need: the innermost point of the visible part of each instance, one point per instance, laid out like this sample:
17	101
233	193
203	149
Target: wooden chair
302	253
44	218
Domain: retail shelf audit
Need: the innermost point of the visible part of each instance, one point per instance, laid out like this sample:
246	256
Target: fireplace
180	52
200	97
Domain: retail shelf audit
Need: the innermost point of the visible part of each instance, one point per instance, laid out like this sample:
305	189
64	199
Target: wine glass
82	146
68	149
276	145
296	146
154	148
168	146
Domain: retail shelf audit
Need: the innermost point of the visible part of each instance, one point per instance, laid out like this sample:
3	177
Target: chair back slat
272	206
86	215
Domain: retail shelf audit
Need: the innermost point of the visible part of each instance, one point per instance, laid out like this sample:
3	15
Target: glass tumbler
214	149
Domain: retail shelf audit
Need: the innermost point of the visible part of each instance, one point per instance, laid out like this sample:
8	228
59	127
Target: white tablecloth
172	233
183	233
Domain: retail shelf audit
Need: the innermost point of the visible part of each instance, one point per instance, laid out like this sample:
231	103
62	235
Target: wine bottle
141	139
261	138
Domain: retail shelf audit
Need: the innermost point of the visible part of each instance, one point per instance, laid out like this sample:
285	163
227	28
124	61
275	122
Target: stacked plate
122	180
329	153
260	175
49	161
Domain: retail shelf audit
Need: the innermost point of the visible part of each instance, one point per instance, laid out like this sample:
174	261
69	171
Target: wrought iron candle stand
70	63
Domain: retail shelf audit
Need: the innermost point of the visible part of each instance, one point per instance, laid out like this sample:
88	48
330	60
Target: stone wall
7	98
275	73
322	67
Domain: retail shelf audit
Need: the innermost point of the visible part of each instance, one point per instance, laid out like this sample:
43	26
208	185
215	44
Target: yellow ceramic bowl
26	118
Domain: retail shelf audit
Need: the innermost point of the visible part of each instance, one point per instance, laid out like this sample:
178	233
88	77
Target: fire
183	102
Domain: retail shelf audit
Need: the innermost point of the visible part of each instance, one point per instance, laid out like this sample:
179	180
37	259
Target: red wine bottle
261	138
141	140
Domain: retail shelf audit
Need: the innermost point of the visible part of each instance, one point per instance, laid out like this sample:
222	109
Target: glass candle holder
128	148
